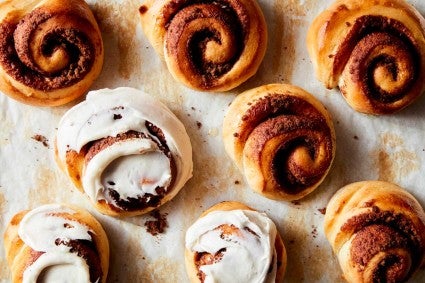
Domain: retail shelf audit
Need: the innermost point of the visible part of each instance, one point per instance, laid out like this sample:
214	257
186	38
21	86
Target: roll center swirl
210	36
45	51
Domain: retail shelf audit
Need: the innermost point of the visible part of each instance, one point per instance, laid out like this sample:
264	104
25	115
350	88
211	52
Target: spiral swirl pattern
125	150
378	62
208	45
50	54
377	230
56	241
282	138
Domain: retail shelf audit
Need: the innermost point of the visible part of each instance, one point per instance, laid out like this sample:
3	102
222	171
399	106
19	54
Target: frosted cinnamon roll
377	231
373	50
125	150
54	243
51	51
231	242
207	45
281	138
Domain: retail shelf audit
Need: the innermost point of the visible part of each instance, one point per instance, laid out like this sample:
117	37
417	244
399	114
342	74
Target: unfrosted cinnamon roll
281	138
374	50
51	51
54	243
231	242
207	45
377	231
125	150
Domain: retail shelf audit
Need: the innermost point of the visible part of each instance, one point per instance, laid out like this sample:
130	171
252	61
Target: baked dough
377	231
281	138
231	242
54	242
207	45
125	150
374	50
51	51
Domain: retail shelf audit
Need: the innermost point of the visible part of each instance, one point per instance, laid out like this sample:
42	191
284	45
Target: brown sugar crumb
143	9
199	124
314	231
237	182
42	139
157	226
356	137
322	210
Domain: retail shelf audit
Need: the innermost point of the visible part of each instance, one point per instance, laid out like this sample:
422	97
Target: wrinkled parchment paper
390	148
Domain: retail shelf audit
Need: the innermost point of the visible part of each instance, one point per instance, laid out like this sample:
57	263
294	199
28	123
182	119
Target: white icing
57	267
109	112
132	167
40	229
248	255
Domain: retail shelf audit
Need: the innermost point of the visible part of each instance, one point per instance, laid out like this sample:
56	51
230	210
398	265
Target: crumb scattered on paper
42	139
158	225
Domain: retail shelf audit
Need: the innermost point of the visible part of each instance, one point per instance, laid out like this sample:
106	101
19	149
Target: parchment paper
390	148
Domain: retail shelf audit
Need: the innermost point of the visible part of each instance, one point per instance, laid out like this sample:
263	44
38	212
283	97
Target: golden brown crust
282	138
207	45
191	257
19	255
373	50
51	51
377	231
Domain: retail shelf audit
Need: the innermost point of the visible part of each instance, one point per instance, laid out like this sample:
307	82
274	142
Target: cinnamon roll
231	242
377	231
281	138
56	242
374	50
207	45
125	150
51	51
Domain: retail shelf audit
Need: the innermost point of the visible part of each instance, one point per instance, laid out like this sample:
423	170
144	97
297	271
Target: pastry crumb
42	139
158	225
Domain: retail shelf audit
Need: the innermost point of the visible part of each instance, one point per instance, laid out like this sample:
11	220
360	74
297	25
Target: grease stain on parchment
7	127
393	160
4	270
163	269
127	255
287	17
294	8
121	20
2	204
305	249
213	180
45	189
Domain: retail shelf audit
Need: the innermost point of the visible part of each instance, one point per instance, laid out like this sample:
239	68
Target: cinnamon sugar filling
276	115
375	35
382	231
88	251
233	22
143	201
17	60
